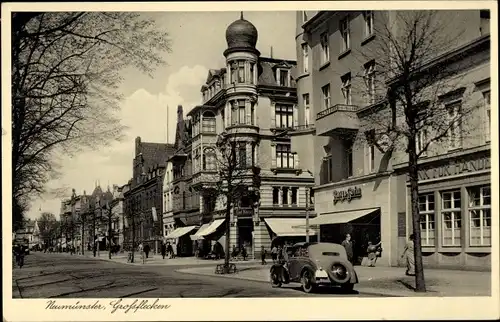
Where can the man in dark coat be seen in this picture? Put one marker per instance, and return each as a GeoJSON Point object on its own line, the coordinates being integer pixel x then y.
{"type": "Point", "coordinates": [146, 250]}
{"type": "Point", "coordinates": [163, 250]}
{"type": "Point", "coordinates": [348, 245]}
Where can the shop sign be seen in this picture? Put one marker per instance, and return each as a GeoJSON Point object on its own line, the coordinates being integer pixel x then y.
{"type": "Point", "coordinates": [346, 195]}
{"type": "Point", "coordinates": [455, 167]}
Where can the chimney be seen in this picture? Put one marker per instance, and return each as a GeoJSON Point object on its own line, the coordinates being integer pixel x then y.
{"type": "Point", "coordinates": [137, 145]}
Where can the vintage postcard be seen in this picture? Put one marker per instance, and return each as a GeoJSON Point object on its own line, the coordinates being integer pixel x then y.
{"type": "Point", "coordinates": [250, 161]}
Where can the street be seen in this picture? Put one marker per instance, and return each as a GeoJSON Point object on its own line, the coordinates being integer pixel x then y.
{"type": "Point", "coordinates": [73, 276]}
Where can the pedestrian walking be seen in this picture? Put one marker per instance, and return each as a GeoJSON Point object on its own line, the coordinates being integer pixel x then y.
{"type": "Point", "coordinates": [146, 250]}
{"type": "Point", "coordinates": [19, 254]}
{"type": "Point", "coordinates": [274, 254]}
{"type": "Point", "coordinates": [348, 245]}
{"type": "Point", "coordinates": [263, 253]}
{"type": "Point", "coordinates": [163, 250]}
{"type": "Point", "coordinates": [170, 250]}
{"type": "Point", "coordinates": [244, 253]}
{"type": "Point", "coordinates": [373, 252]}
{"type": "Point", "coordinates": [409, 256]}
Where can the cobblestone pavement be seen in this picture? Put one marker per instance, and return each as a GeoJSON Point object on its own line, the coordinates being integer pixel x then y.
{"type": "Point", "coordinates": [76, 276]}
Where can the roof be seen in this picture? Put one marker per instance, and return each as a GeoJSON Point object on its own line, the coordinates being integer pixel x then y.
{"type": "Point", "coordinates": [267, 74]}
{"type": "Point", "coordinates": [155, 154]}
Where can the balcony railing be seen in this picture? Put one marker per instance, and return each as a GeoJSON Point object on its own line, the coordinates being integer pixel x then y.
{"type": "Point", "coordinates": [337, 108]}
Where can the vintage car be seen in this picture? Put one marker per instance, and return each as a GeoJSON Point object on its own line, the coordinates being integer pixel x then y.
{"type": "Point", "coordinates": [313, 265]}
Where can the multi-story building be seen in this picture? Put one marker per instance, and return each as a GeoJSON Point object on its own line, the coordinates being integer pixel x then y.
{"type": "Point", "coordinates": [362, 189]}
{"type": "Point", "coordinates": [253, 101]}
{"type": "Point", "coordinates": [168, 215]}
{"type": "Point", "coordinates": [143, 202]}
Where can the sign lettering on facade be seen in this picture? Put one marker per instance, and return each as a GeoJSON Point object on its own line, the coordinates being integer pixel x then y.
{"type": "Point", "coordinates": [454, 168]}
{"type": "Point", "coordinates": [346, 195]}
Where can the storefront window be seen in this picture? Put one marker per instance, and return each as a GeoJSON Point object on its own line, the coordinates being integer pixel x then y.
{"type": "Point", "coordinates": [427, 221]}
{"type": "Point", "coordinates": [451, 214]}
{"type": "Point", "coordinates": [480, 215]}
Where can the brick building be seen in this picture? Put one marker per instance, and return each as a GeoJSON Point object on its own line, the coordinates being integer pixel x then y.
{"type": "Point", "coordinates": [143, 202]}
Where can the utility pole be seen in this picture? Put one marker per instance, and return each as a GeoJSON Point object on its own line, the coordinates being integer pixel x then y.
{"type": "Point", "coordinates": [307, 214]}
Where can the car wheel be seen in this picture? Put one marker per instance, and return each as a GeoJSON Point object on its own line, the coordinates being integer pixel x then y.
{"type": "Point", "coordinates": [347, 287]}
{"type": "Point", "coordinates": [306, 280]}
{"type": "Point", "coordinates": [275, 280]}
{"type": "Point", "coordinates": [340, 273]}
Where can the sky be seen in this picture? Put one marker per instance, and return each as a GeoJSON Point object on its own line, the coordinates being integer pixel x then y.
{"type": "Point", "coordinates": [150, 105]}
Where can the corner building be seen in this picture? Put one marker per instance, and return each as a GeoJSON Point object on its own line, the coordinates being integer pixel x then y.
{"type": "Point", "coordinates": [253, 98]}
{"type": "Point", "coordinates": [360, 189]}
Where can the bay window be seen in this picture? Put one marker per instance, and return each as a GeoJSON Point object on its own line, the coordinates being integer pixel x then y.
{"type": "Point", "coordinates": [452, 216]}
{"type": "Point", "coordinates": [208, 123]}
{"type": "Point", "coordinates": [480, 215]}
{"type": "Point", "coordinates": [241, 71]}
{"type": "Point", "coordinates": [209, 159]}
{"type": "Point", "coordinates": [427, 218]}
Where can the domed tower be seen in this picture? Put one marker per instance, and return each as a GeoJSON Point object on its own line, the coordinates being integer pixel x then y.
{"type": "Point", "coordinates": [241, 77]}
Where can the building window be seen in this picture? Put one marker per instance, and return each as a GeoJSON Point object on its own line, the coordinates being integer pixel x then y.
{"type": "Point", "coordinates": [242, 155]}
{"type": "Point", "coordinates": [284, 116]}
{"type": "Point", "coordinates": [252, 65]}
{"type": "Point", "coordinates": [370, 138]}
{"type": "Point", "coordinates": [346, 88]}
{"type": "Point", "coordinates": [349, 156]}
{"type": "Point", "coordinates": [345, 33]}
{"type": "Point", "coordinates": [484, 26]}
{"type": "Point", "coordinates": [305, 58]}
{"type": "Point", "coordinates": [327, 169]}
{"type": "Point", "coordinates": [368, 17]}
{"type": "Point", "coordinates": [209, 159]}
{"type": "Point", "coordinates": [487, 107]}
{"type": "Point", "coordinates": [284, 156]}
{"type": "Point", "coordinates": [254, 155]}
{"type": "Point", "coordinates": [285, 195]}
{"type": "Point", "coordinates": [454, 131]}
{"type": "Point", "coordinates": [421, 140]}
{"type": "Point", "coordinates": [325, 49]}
{"type": "Point", "coordinates": [276, 195]}
{"type": "Point", "coordinates": [234, 72]}
{"type": "Point", "coordinates": [427, 219]}
{"type": "Point", "coordinates": [451, 214]}
{"type": "Point", "coordinates": [326, 96]}
{"type": "Point", "coordinates": [241, 72]}
{"type": "Point", "coordinates": [480, 215]}
{"type": "Point", "coordinates": [294, 196]}
{"type": "Point", "coordinates": [369, 77]}
{"type": "Point", "coordinates": [283, 77]}
{"type": "Point", "coordinates": [208, 123]}
{"type": "Point", "coordinates": [241, 112]}
{"type": "Point", "coordinates": [307, 112]}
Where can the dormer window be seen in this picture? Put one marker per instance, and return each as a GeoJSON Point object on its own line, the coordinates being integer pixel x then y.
{"type": "Point", "coordinates": [284, 78]}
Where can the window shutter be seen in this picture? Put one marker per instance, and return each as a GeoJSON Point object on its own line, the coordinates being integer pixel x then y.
{"type": "Point", "coordinates": [273, 156]}
{"type": "Point", "coordinates": [273, 115]}
{"type": "Point", "coordinates": [295, 115]}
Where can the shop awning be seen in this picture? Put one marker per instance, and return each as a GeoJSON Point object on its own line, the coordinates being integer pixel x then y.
{"type": "Point", "coordinates": [211, 228]}
{"type": "Point", "coordinates": [288, 227]}
{"type": "Point", "coordinates": [340, 217]}
{"type": "Point", "coordinates": [179, 232]}
{"type": "Point", "coordinates": [198, 235]}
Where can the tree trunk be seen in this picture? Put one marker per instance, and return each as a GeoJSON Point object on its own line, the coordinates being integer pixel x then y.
{"type": "Point", "coordinates": [109, 233]}
{"type": "Point", "coordinates": [417, 242]}
{"type": "Point", "coordinates": [227, 255]}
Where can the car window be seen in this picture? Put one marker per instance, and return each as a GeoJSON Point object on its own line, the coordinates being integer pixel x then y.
{"type": "Point", "coordinates": [331, 254]}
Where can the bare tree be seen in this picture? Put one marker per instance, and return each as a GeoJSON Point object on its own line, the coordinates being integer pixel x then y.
{"type": "Point", "coordinates": [47, 223]}
{"type": "Point", "coordinates": [66, 70]}
{"type": "Point", "coordinates": [237, 177]}
{"type": "Point", "coordinates": [405, 82]}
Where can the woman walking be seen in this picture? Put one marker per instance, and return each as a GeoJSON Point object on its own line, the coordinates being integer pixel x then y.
{"type": "Point", "coordinates": [409, 256]}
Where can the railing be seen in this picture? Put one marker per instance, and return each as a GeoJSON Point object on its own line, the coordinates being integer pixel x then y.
{"type": "Point", "coordinates": [302, 127]}
{"type": "Point", "coordinates": [336, 108]}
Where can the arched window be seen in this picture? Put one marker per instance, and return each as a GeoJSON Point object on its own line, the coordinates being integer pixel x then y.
{"type": "Point", "coordinates": [208, 122]}
{"type": "Point", "coordinates": [209, 159]}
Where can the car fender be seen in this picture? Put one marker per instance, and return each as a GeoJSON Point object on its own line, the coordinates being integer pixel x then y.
{"type": "Point", "coordinates": [282, 272]}
{"type": "Point", "coordinates": [310, 268]}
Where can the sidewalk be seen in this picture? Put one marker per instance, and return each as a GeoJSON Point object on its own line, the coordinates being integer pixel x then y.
{"type": "Point", "coordinates": [388, 281]}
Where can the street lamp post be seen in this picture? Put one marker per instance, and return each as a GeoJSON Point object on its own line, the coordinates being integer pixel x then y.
{"type": "Point", "coordinates": [307, 214]}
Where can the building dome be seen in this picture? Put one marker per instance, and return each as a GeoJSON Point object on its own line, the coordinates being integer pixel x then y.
{"type": "Point", "coordinates": [241, 34]}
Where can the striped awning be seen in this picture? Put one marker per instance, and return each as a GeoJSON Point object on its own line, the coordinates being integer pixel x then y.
{"type": "Point", "coordinates": [199, 234]}
{"type": "Point", "coordinates": [179, 232]}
